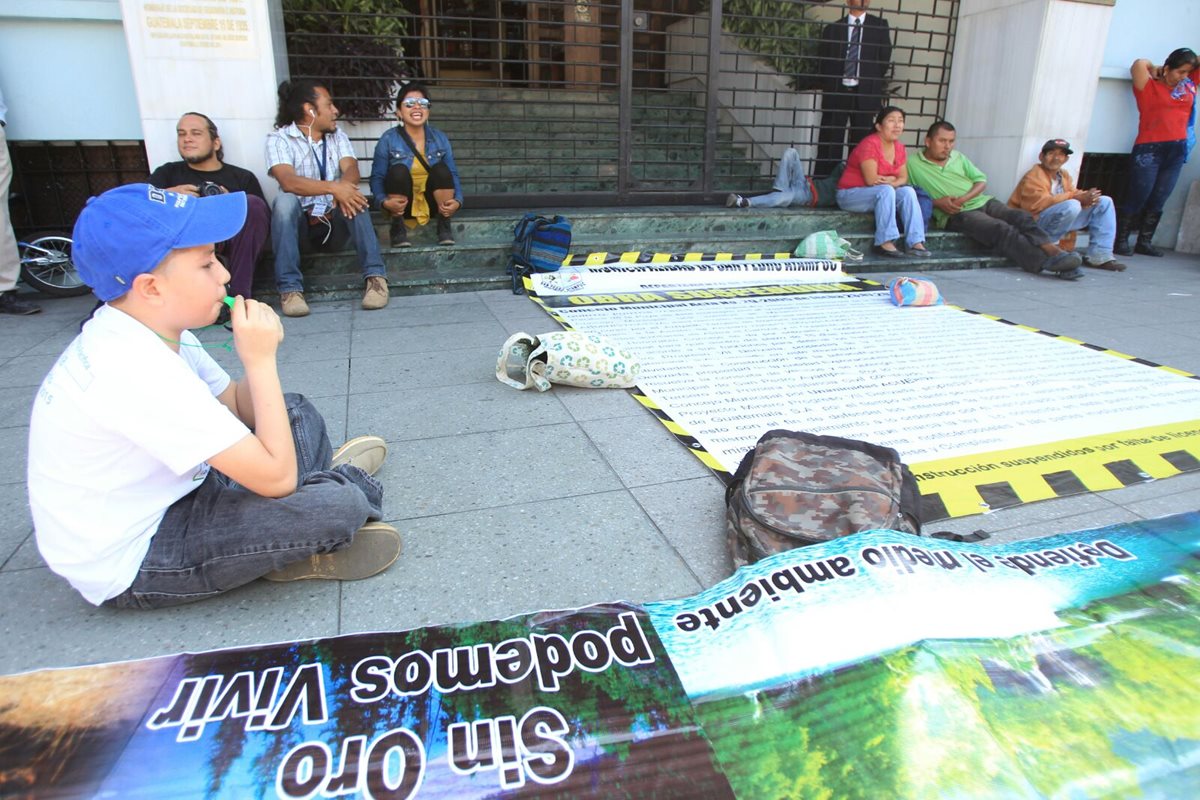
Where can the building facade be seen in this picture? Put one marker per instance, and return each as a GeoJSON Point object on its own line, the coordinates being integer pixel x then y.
{"type": "Point", "coordinates": [641, 100]}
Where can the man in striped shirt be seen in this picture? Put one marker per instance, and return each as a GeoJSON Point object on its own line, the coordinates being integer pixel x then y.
{"type": "Point", "coordinates": [319, 203]}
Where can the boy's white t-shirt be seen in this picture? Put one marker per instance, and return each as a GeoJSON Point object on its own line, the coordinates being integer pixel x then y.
{"type": "Point", "coordinates": [121, 429]}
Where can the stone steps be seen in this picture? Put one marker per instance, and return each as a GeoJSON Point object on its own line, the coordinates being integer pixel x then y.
{"type": "Point", "coordinates": [546, 141]}
{"type": "Point", "coordinates": [595, 141]}
{"type": "Point", "coordinates": [484, 238]}
{"type": "Point", "coordinates": [451, 115]}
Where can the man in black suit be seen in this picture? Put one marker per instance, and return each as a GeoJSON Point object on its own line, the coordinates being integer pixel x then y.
{"type": "Point", "coordinates": [854, 56]}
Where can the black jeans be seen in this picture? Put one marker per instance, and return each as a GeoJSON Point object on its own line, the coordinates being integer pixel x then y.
{"type": "Point", "coordinates": [1010, 230]}
{"type": "Point", "coordinates": [399, 181]}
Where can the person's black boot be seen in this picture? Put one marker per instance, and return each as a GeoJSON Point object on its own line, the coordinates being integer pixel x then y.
{"type": "Point", "coordinates": [1125, 225]}
{"type": "Point", "coordinates": [398, 233]}
{"type": "Point", "coordinates": [1145, 240]}
{"type": "Point", "coordinates": [445, 233]}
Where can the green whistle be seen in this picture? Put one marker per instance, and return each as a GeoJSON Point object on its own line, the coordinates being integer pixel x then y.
{"type": "Point", "coordinates": [229, 301]}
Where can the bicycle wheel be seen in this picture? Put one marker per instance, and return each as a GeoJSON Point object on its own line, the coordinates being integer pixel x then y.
{"type": "Point", "coordinates": [46, 265]}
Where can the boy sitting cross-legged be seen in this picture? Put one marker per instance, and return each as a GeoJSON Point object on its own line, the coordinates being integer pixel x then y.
{"type": "Point", "coordinates": [154, 478]}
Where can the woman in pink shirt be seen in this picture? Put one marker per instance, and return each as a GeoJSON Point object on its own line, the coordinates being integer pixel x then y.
{"type": "Point", "coordinates": [876, 179]}
{"type": "Point", "coordinates": [1166, 100]}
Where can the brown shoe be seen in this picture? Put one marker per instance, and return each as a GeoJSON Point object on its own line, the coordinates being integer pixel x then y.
{"type": "Point", "coordinates": [373, 549]}
{"type": "Point", "coordinates": [365, 452]}
{"type": "Point", "coordinates": [1112, 265]}
{"type": "Point", "coordinates": [376, 294]}
{"type": "Point", "coordinates": [293, 304]}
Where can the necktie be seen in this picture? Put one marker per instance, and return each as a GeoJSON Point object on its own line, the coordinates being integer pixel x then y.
{"type": "Point", "coordinates": [850, 70]}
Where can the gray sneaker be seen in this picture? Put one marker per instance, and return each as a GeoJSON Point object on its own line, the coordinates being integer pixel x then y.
{"type": "Point", "coordinates": [736, 201]}
{"type": "Point", "coordinates": [374, 548]}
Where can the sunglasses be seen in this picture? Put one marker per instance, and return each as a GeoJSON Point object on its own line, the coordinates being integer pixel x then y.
{"type": "Point", "coordinates": [416, 102]}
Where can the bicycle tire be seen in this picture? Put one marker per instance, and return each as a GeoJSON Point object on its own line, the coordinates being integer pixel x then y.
{"type": "Point", "coordinates": [51, 273]}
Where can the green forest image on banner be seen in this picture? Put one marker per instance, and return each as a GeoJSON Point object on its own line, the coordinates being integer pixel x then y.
{"type": "Point", "coordinates": [863, 678]}
{"type": "Point", "coordinates": [567, 704]}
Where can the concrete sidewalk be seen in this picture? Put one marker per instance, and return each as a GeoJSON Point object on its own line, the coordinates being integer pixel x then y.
{"type": "Point", "coordinates": [512, 502]}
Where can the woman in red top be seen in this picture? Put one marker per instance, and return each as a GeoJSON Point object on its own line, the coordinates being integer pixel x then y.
{"type": "Point", "coordinates": [876, 179]}
{"type": "Point", "coordinates": [1165, 98]}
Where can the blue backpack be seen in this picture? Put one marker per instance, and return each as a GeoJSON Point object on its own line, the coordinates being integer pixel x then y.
{"type": "Point", "coordinates": [540, 244]}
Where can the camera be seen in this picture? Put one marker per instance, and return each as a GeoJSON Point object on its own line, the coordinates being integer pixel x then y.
{"type": "Point", "coordinates": [208, 189]}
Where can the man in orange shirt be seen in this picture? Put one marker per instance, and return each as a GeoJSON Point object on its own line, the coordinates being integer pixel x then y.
{"type": "Point", "coordinates": [1048, 193]}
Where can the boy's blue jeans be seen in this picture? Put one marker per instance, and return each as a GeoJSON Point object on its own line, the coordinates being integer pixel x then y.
{"type": "Point", "coordinates": [289, 224]}
{"type": "Point", "coordinates": [222, 535]}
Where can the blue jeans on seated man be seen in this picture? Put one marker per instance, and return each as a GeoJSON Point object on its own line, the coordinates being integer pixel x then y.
{"type": "Point", "coordinates": [1099, 219]}
{"type": "Point", "coordinates": [887, 202]}
{"type": "Point", "coordinates": [222, 536]}
{"type": "Point", "coordinates": [926, 204]}
{"type": "Point", "coordinates": [291, 233]}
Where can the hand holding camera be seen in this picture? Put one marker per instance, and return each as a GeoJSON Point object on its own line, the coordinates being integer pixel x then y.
{"type": "Point", "coordinates": [204, 189]}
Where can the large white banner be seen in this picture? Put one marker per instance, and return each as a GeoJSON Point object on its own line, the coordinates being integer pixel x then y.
{"type": "Point", "coordinates": [960, 395]}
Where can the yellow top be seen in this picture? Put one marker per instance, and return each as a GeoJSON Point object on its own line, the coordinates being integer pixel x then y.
{"type": "Point", "coordinates": [420, 206]}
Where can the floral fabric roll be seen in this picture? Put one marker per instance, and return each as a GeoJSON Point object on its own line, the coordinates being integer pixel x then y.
{"type": "Point", "coordinates": [568, 357]}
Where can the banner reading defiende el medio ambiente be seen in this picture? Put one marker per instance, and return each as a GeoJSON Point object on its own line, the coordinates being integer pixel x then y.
{"type": "Point", "coordinates": [879, 665]}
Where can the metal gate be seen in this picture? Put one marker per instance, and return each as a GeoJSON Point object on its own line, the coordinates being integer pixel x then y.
{"type": "Point", "coordinates": [609, 101]}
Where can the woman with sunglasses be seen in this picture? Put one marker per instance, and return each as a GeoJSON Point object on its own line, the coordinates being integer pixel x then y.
{"type": "Point", "coordinates": [413, 176]}
{"type": "Point", "coordinates": [1166, 102]}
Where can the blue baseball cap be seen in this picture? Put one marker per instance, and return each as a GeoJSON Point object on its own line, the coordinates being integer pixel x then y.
{"type": "Point", "coordinates": [128, 231]}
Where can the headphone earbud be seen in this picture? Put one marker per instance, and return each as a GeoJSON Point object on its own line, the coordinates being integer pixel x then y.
{"type": "Point", "coordinates": [312, 113]}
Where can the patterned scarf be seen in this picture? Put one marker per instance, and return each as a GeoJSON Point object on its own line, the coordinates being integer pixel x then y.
{"type": "Point", "coordinates": [1186, 89]}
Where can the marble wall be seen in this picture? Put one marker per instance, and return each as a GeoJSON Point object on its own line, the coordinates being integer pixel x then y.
{"type": "Point", "coordinates": [1024, 71]}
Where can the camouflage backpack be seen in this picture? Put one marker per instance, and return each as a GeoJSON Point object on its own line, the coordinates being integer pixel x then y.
{"type": "Point", "coordinates": [795, 489]}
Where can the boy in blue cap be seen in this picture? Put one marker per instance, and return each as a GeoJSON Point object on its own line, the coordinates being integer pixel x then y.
{"type": "Point", "coordinates": [154, 478]}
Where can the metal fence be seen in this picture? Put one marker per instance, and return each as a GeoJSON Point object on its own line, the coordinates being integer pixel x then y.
{"type": "Point", "coordinates": [1108, 172]}
{"type": "Point", "coordinates": [53, 180]}
{"type": "Point", "coordinates": [610, 101]}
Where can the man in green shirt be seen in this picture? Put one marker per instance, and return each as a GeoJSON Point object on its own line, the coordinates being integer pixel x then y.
{"type": "Point", "coordinates": [956, 186]}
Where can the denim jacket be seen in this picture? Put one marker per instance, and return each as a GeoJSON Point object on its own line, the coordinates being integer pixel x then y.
{"type": "Point", "coordinates": [391, 149]}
